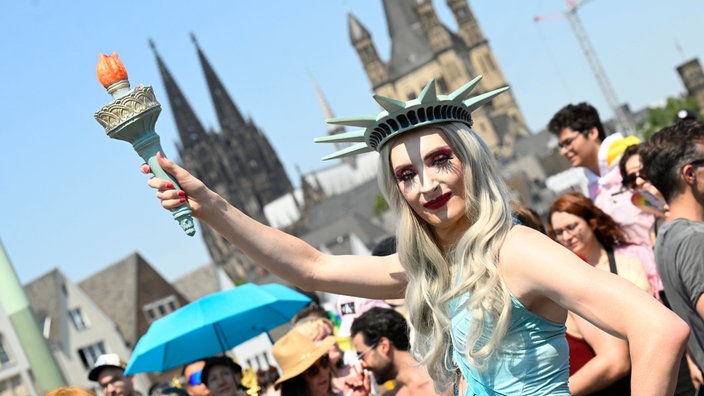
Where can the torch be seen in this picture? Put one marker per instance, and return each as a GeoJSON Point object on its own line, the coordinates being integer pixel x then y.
{"type": "Point", "coordinates": [131, 117]}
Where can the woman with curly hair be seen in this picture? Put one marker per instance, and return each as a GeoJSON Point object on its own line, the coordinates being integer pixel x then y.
{"type": "Point", "coordinates": [486, 297]}
{"type": "Point", "coordinates": [579, 225]}
{"type": "Point", "coordinates": [599, 362]}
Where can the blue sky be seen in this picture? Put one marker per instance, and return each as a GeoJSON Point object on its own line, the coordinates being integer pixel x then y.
{"type": "Point", "coordinates": [74, 199]}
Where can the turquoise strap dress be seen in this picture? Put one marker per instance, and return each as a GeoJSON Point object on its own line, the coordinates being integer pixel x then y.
{"type": "Point", "coordinates": [533, 358]}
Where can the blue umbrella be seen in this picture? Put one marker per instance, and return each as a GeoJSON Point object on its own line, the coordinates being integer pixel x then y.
{"type": "Point", "coordinates": [214, 324]}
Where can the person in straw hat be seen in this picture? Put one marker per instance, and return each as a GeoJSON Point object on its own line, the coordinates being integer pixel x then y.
{"type": "Point", "coordinates": [307, 369]}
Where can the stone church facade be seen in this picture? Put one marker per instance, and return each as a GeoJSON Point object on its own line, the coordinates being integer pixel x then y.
{"type": "Point", "coordinates": [422, 47]}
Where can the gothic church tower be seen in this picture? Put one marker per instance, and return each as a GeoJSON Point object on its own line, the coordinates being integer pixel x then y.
{"type": "Point", "coordinates": [238, 162]}
{"type": "Point", "coordinates": [423, 48]}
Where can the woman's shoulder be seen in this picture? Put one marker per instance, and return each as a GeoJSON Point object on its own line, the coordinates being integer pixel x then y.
{"type": "Point", "coordinates": [521, 239]}
{"type": "Point", "coordinates": [529, 260]}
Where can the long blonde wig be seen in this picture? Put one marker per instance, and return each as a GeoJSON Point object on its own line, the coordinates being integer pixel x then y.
{"type": "Point", "coordinates": [437, 277]}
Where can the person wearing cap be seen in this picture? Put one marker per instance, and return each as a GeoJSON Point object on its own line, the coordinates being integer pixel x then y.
{"type": "Point", "coordinates": [582, 140]}
{"type": "Point", "coordinates": [307, 369]}
{"type": "Point", "coordinates": [192, 381]}
{"type": "Point", "coordinates": [486, 296]}
{"type": "Point", "coordinates": [109, 372]}
{"type": "Point", "coordinates": [381, 338]}
{"type": "Point", "coordinates": [223, 377]}
{"type": "Point", "coordinates": [685, 115]}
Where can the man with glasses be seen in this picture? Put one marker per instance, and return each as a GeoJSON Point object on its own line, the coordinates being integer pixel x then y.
{"type": "Point", "coordinates": [674, 163]}
{"type": "Point", "coordinates": [109, 372]}
{"type": "Point", "coordinates": [582, 140]}
{"type": "Point", "coordinates": [381, 338]}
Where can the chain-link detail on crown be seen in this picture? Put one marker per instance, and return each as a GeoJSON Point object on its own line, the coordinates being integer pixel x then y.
{"type": "Point", "coordinates": [399, 116]}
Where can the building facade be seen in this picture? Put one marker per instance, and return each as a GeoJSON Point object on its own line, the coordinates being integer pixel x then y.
{"type": "Point", "coordinates": [77, 330]}
{"type": "Point", "coordinates": [15, 378]}
{"type": "Point", "coordinates": [692, 77]}
{"type": "Point", "coordinates": [422, 47]}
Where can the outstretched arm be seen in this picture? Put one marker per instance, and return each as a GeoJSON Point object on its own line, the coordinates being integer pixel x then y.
{"type": "Point", "coordinates": [288, 257]}
{"type": "Point", "coordinates": [549, 279]}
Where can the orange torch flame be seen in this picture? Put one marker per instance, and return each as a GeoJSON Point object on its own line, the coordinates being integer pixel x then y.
{"type": "Point", "coordinates": [110, 70]}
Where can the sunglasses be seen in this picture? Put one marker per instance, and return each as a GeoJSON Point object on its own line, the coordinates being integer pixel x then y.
{"type": "Point", "coordinates": [314, 369]}
{"type": "Point", "coordinates": [630, 180]}
{"type": "Point", "coordinates": [360, 355]}
{"type": "Point", "coordinates": [194, 379]}
{"type": "Point", "coordinates": [697, 163]}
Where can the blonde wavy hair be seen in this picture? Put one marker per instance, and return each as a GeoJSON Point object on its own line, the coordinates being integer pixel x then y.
{"type": "Point", "coordinates": [470, 267]}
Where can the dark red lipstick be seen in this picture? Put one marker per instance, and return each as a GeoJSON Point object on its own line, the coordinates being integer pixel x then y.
{"type": "Point", "coordinates": [438, 202]}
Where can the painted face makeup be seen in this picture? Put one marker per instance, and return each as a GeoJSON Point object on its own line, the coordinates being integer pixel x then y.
{"type": "Point", "coordinates": [430, 178]}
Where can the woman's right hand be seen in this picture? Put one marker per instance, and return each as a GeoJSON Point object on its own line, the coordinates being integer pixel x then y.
{"type": "Point", "coordinates": [192, 190]}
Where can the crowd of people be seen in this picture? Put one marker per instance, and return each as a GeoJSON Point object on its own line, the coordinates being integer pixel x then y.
{"type": "Point", "coordinates": [310, 362]}
{"type": "Point", "coordinates": [599, 297]}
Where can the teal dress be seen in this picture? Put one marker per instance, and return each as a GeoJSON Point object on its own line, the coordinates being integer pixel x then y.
{"type": "Point", "coordinates": [533, 358]}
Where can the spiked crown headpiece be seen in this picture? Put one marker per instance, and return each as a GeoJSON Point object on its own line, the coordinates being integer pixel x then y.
{"type": "Point", "coordinates": [399, 116]}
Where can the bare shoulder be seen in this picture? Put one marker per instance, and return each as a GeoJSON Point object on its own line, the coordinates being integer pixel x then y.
{"type": "Point", "coordinates": [526, 249]}
{"type": "Point", "coordinates": [541, 273]}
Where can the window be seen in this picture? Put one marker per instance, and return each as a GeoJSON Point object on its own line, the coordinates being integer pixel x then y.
{"type": "Point", "coordinates": [367, 54]}
{"type": "Point", "coordinates": [461, 12]}
{"type": "Point", "coordinates": [160, 308]}
{"type": "Point", "coordinates": [77, 319]}
{"type": "Point", "coordinates": [46, 326]}
{"type": "Point", "coordinates": [13, 386]}
{"type": "Point", "coordinates": [89, 354]}
{"type": "Point", "coordinates": [5, 357]}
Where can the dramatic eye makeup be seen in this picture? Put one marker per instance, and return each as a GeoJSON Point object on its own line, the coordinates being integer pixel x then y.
{"type": "Point", "coordinates": [405, 173]}
{"type": "Point", "coordinates": [441, 157]}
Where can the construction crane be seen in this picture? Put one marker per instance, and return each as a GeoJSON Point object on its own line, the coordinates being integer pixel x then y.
{"type": "Point", "coordinates": [623, 119]}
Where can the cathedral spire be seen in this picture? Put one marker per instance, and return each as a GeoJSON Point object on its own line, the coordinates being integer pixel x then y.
{"type": "Point", "coordinates": [376, 70]}
{"type": "Point", "coordinates": [325, 106]}
{"type": "Point", "coordinates": [332, 128]}
{"type": "Point", "coordinates": [189, 128]}
{"type": "Point", "coordinates": [357, 31]}
{"type": "Point", "coordinates": [467, 23]}
{"type": "Point", "coordinates": [229, 116]}
{"type": "Point", "coordinates": [409, 43]}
